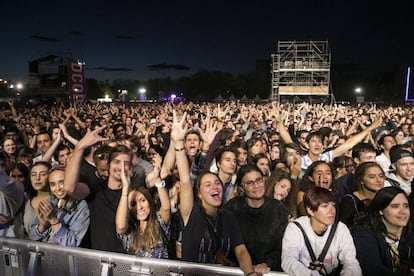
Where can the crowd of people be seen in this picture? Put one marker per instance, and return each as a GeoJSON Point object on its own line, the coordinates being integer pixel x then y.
{"type": "Point", "coordinates": [308, 189]}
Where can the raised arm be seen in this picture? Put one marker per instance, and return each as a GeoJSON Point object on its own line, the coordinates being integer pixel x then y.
{"type": "Point", "coordinates": [284, 133]}
{"type": "Point", "coordinates": [13, 110]}
{"type": "Point", "coordinates": [186, 192]}
{"type": "Point", "coordinates": [76, 118]}
{"type": "Point", "coordinates": [49, 153]}
{"type": "Point", "coordinates": [209, 133]}
{"type": "Point", "coordinates": [352, 141]}
{"type": "Point", "coordinates": [66, 134]}
{"type": "Point", "coordinates": [169, 161]}
{"type": "Point", "coordinates": [165, 209]}
{"type": "Point", "coordinates": [72, 185]}
{"type": "Point", "coordinates": [121, 218]}
{"type": "Point", "coordinates": [32, 143]}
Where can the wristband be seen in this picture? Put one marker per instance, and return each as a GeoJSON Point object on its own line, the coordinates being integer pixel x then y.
{"type": "Point", "coordinates": [179, 149]}
{"type": "Point", "coordinates": [55, 223]}
{"type": "Point", "coordinates": [160, 185]}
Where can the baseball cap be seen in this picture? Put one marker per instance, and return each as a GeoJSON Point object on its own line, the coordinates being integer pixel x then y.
{"type": "Point", "coordinates": [396, 153]}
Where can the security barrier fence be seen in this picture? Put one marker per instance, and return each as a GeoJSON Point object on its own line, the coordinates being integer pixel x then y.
{"type": "Point", "coordinates": [24, 257]}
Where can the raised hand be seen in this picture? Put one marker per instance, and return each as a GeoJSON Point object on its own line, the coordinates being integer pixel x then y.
{"type": "Point", "coordinates": [45, 212]}
{"type": "Point", "coordinates": [275, 112]}
{"type": "Point", "coordinates": [376, 123]}
{"type": "Point", "coordinates": [125, 177]}
{"type": "Point", "coordinates": [157, 161]}
{"type": "Point", "coordinates": [210, 131]}
{"type": "Point", "coordinates": [92, 137]}
{"type": "Point", "coordinates": [179, 128]}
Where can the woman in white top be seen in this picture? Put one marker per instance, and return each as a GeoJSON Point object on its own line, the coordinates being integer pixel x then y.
{"type": "Point", "coordinates": [296, 258]}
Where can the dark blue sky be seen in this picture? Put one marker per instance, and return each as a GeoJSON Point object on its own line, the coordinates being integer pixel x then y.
{"type": "Point", "coordinates": [214, 35]}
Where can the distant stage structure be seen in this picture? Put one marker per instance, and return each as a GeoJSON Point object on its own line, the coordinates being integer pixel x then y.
{"type": "Point", "coordinates": [301, 70]}
{"type": "Point", "coordinates": [57, 77]}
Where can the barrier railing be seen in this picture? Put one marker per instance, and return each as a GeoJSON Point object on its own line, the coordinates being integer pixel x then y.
{"type": "Point", "coordinates": [23, 257]}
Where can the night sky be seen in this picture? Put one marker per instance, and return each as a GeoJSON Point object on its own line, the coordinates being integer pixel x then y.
{"type": "Point", "coordinates": [215, 35]}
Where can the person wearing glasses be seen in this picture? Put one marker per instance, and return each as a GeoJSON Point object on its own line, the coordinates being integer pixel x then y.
{"type": "Point", "coordinates": [262, 220]}
{"type": "Point", "coordinates": [8, 148]}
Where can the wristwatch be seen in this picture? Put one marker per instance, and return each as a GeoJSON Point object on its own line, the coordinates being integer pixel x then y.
{"type": "Point", "coordinates": [160, 185]}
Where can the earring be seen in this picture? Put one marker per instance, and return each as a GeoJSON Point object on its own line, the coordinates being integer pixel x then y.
{"type": "Point", "coordinates": [381, 213]}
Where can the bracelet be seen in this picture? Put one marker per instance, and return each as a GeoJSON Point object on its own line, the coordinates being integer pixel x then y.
{"type": "Point", "coordinates": [180, 149]}
{"type": "Point", "coordinates": [55, 223]}
{"type": "Point", "coordinates": [160, 185]}
{"type": "Point", "coordinates": [125, 195]}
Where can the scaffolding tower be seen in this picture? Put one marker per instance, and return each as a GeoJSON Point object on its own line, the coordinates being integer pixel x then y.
{"type": "Point", "coordinates": [301, 68]}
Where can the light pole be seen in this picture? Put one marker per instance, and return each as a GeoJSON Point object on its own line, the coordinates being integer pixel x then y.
{"type": "Point", "coordinates": [142, 93]}
{"type": "Point", "coordinates": [358, 92]}
{"type": "Point", "coordinates": [19, 87]}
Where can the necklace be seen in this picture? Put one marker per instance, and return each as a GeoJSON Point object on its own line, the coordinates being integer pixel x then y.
{"type": "Point", "coordinates": [213, 226]}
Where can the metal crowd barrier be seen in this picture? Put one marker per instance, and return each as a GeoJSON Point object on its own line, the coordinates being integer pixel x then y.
{"type": "Point", "coordinates": [24, 257]}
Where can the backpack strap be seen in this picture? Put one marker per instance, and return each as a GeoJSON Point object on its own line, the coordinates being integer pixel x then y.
{"type": "Point", "coordinates": [308, 245]}
{"type": "Point", "coordinates": [326, 246]}
{"type": "Point", "coordinates": [328, 242]}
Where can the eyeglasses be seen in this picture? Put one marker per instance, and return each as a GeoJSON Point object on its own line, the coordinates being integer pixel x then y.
{"type": "Point", "coordinates": [258, 180]}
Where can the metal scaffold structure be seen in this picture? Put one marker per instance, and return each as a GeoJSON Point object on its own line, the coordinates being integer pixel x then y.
{"type": "Point", "coordinates": [301, 69]}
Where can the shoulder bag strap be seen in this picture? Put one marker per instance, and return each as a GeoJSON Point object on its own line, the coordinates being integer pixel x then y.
{"type": "Point", "coordinates": [353, 200]}
{"type": "Point", "coordinates": [308, 245]}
